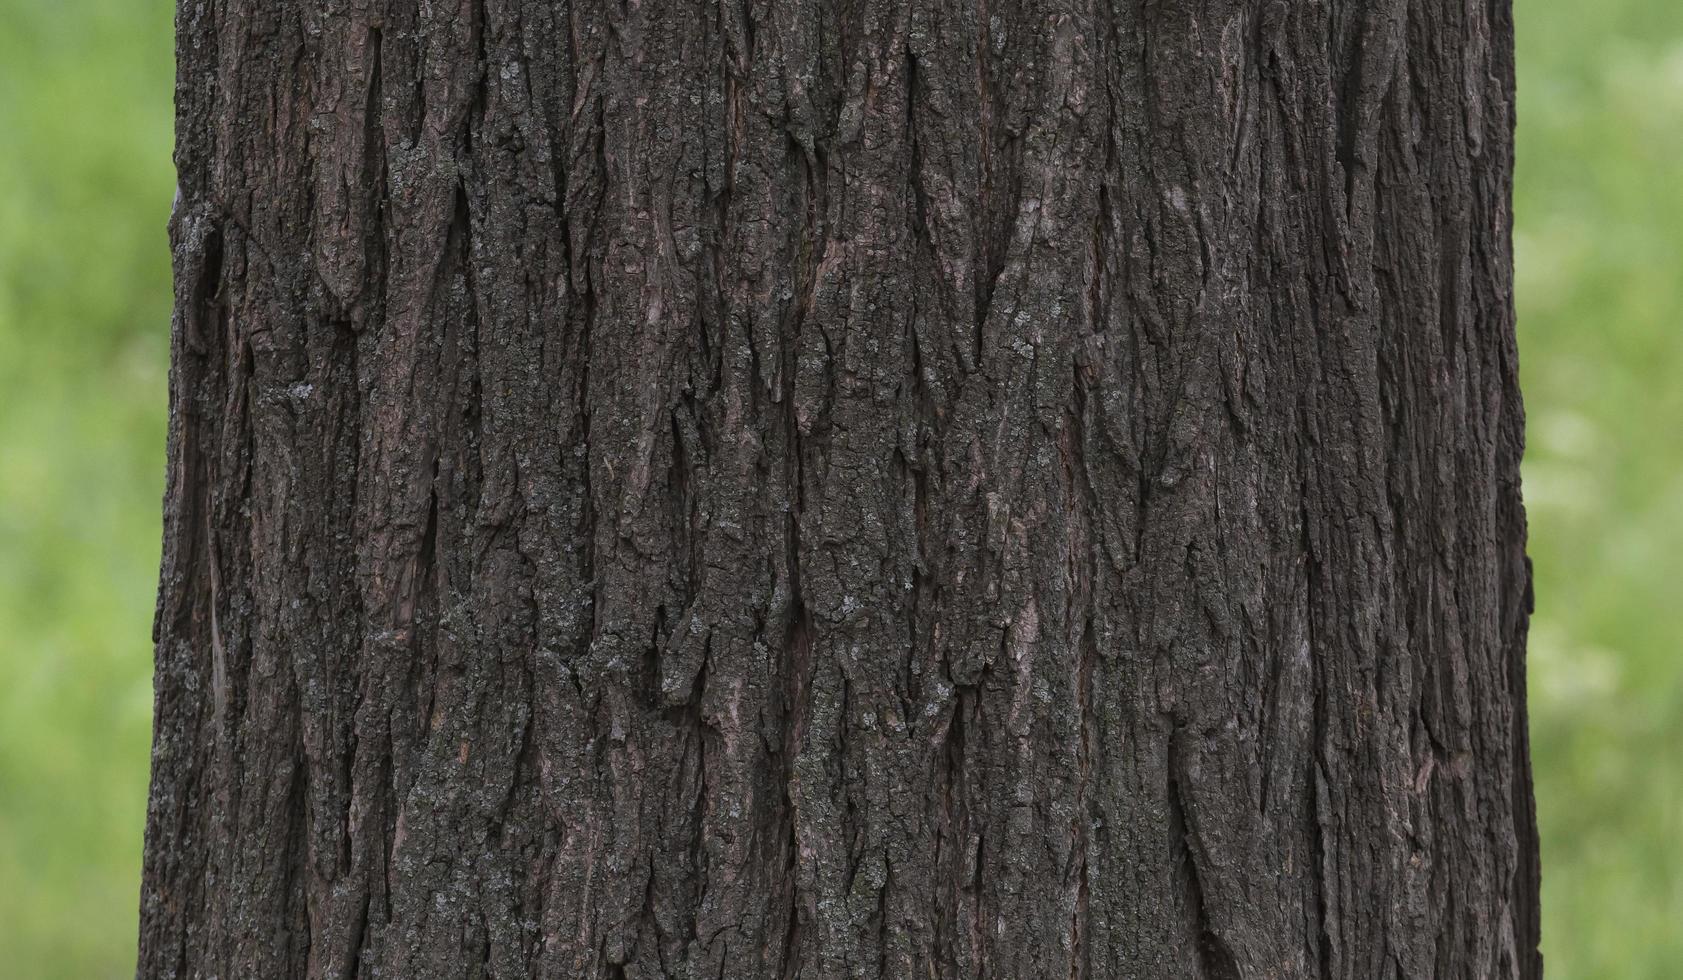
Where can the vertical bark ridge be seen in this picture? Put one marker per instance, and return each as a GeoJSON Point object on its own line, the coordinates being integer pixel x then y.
{"type": "Point", "coordinates": [737, 489]}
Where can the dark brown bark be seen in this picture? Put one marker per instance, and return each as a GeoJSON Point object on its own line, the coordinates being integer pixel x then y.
{"type": "Point", "coordinates": [868, 489]}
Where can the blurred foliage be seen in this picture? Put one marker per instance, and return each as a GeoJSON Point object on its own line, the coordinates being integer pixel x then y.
{"type": "Point", "coordinates": [85, 189]}
{"type": "Point", "coordinates": [1599, 255]}
{"type": "Point", "coordinates": [85, 124]}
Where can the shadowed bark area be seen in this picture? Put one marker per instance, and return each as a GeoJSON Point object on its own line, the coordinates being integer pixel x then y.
{"type": "Point", "coordinates": [949, 489]}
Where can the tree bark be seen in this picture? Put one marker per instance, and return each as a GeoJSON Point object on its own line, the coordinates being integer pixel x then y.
{"type": "Point", "coordinates": [960, 488]}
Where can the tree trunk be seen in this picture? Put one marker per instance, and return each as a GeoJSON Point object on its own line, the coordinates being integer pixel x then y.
{"type": "Point", "coordinates": [953, 488]}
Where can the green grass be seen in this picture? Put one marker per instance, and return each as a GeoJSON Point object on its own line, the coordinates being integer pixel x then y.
{"type": "Point", "coordinates": [84, 309]}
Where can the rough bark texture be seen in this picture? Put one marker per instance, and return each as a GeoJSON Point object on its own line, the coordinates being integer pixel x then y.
{"type": "Point", "coordinates": [747, 489]}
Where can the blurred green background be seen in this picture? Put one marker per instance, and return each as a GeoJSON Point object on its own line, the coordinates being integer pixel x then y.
{"type": "Point", "coordinates": [85, 188]}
